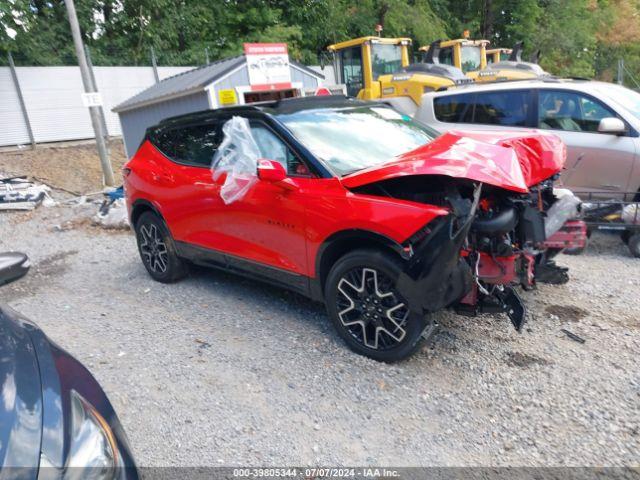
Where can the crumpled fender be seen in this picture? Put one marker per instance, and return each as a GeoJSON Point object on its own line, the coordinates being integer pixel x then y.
{"type": "Point", "coordinates": [510, 160]}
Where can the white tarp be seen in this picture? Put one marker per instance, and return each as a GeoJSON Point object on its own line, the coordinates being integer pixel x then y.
{"type": "Point", "coordinates": [237, 157]}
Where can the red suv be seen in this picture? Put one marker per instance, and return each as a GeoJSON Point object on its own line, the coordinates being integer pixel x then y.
{"type": "Point", "coordinates": [354, 205]}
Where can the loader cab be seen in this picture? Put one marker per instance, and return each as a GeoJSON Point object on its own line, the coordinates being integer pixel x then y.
{"type": "Point", "coordinates": [495, 55]}
{"type": "Point", "coordinates": [510, 68]}
{"type": "Point", "coordinates": [360, 62]}
{"type": "Point", "coordinates": [467, 55]}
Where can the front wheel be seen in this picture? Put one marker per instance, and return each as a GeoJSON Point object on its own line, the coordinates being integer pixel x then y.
{"type": "Point", "coordinates": [367, 309]}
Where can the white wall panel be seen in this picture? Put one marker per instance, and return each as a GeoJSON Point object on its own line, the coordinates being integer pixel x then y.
{"type": "Point", "coordinates": [54, 102]}
{"type": "Point", "coordinates": [13, 129]}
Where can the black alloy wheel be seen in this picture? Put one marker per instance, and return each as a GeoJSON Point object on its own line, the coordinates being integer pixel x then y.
{"type": "Point", "coordinates": [367, 309]}
{"type": "Point", "coordinates": [157, 249]}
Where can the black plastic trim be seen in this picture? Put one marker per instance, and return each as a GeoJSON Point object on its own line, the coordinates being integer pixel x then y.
{"type": "Point", "coordinates": [259, 271]}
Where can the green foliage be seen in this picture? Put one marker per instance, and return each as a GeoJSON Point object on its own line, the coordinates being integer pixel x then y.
{"type": "Point", "coordinates": [576, 37]}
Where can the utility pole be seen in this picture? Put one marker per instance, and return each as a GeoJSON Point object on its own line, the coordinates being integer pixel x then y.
{"type": "Point", "coordinates": [206, 55]}
{"type": "Point", "coordinates": [620, 78]}
{"type": "Point", "coordinates": [154, 64]}
{"type": "Point", "coordinates": [94, 86]}
{"type": "Point", "coordinates": [23, 106]}
{"type": "Point", "coordinates": [88, 88]}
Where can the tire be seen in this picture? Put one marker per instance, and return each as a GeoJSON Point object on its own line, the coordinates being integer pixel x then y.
{"type": "Point", "coordinates": [634, 245]}
{"type": "Point", "coordinates": [373, 321]}
{"type": "Point", "coordinates": [625, 236]}
{"type": "Point", "coordinates": [157, 249]}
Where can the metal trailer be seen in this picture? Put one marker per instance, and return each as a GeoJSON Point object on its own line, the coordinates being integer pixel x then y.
{"type": "Point", "coordinates": [620, 214]}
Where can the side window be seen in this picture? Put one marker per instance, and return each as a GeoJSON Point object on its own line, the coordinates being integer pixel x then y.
{"type": "Point", "coordinates": [272, 148]}
{"type": "Point", "coordinates": [507, 108]}
{"type": "Point", "coordinates": [454, 108]}
{"type": "Point", "coordinates": [446, 55]}
{"type": "Point", "coordinates": [351, 60]}
{"type": "Point", "coordinates": [570, 111]}
{"type": "Point", "coordinates": [196, 145]}
{"type": "Point", "coordinates": [592, 112]}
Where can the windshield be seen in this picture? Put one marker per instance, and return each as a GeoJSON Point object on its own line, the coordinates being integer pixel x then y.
{"type": "Point", "coordinates": [624, 97]}
{"type": "Point", "coordinates": [352, 139]}
{"type": "Point", "coordinates": [385, 59]}
{"type": "Point", "coordinates": [470, 58]}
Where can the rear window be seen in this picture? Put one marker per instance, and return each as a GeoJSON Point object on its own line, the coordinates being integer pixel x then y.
{"type": "Point", "coordinates": [454, 108]}
{"type": "Point", "coordinates": [192, 145]}
{"type": "Point", "coordinates": [508, 108]}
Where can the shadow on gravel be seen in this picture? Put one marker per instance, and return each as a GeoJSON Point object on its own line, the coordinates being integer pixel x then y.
{"type": "Point", "coordinates": [523, 360]}
{"type": "Point", "coordinates": [567, 313]}
{"type": "Point", "coordinates": [40, 275]}
{"type": "Point", "coordinates": [258, 293]}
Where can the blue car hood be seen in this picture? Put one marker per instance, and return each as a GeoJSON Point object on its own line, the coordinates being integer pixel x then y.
{"type": "Point", "coordinates": [20, 398]}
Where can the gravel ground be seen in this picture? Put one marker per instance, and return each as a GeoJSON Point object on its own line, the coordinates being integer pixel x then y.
{"type": "Point", "coordinates": [218, 370]}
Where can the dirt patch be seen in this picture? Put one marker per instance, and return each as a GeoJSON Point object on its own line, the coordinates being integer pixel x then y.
{"type": "Point", "coordinates": [72, 168]}
{"type": "Point", "coordinates": [39, 275]}
{"type": "Point", "coordinates": [524, 360]}
{"type": "Point", "coordinates": [567, 313]}
{"type": "Point", "coordinates": [87, 224]}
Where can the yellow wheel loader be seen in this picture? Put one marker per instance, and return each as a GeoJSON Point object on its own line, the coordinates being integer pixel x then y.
{"type": "Point", "coordinates": [471, 56]}
{"type": "Point", "coordinates": [467, 55]}
{"type": "Point", "coordinates": [380, 68]}
{"type": "Point", "coordinates": [513, 68]}
{"type": "Point", "coordinates": [495, 55]}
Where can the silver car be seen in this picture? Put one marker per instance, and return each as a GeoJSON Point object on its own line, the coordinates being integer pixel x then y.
{"type": "Point", "coordinates": [599, 122]}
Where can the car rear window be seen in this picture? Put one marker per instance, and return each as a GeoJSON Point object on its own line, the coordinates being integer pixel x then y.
{"type": "Point", "coordinates": [191, 145]}
{"type": "Point", "coordinates": [507, 108]}
{"type": "Point", "coordinates": [454, 108]}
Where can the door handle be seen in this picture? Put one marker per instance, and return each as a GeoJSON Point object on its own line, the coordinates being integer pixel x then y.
{"type": "Point", "coordinates": [610, 186]}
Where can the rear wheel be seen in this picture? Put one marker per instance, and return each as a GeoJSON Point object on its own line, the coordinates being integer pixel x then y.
{"type": "Point", "coordinates": [157, 249]}
{"type": "Point", "coordinates": [367, 309]}
{"type": "Point", "coordinates": [634, 245]}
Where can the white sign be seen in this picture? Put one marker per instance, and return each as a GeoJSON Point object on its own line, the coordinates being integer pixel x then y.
{"type": "Point", "coordinates": [92, 99]}
{"type": "Point", "coordinates": [268, 65]}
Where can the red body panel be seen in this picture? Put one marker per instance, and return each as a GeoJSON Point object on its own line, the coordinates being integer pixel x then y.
{"type": "Point", "coordinates": [275, 225]}
{"type": "Point", "coordinates": [284, 226]}
{"type": "Point", "coordinates": [513, 161]}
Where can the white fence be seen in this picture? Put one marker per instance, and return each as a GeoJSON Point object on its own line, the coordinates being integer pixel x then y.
{"type": "Point", "coordinates": [53, 101]}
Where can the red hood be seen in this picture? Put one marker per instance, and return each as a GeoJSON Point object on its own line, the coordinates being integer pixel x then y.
{"type": "Point", "coordinates": [509, 160]}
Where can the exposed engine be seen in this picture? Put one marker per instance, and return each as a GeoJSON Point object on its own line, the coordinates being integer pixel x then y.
{"type": "Point", "coordinates": [502, 243]}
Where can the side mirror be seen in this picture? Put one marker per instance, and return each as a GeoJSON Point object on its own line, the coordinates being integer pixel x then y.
{"type": "Point", "coordinates": [612, 125]}
{"type": "Point", "coordinates": [13, 265]}
{"type": "Point", "coordinates": [271, 171]}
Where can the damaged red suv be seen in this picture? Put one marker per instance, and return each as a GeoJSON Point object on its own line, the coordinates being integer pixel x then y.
{"type": "Point", "coordinates": [354, 205]}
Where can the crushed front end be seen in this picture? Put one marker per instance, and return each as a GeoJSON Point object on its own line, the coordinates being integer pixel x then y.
{"type": "Point", "coordinates": [501, 227]}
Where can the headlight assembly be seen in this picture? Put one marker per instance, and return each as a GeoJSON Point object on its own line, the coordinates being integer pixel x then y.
{"type": "Point", "coordinates": [94, 451]}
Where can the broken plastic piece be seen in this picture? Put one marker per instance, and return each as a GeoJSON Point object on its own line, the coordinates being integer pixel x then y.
{"type": "Point", "coordinates": [631, 214]}
{"type": "Point", "coordinates": [237, 157]}
{"type": "Point", "coordinates": [565, 208]}
{"type": "Point", "coordinates": [17, 193]}
{"type": "Point", "coordinates": [573, 336]}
